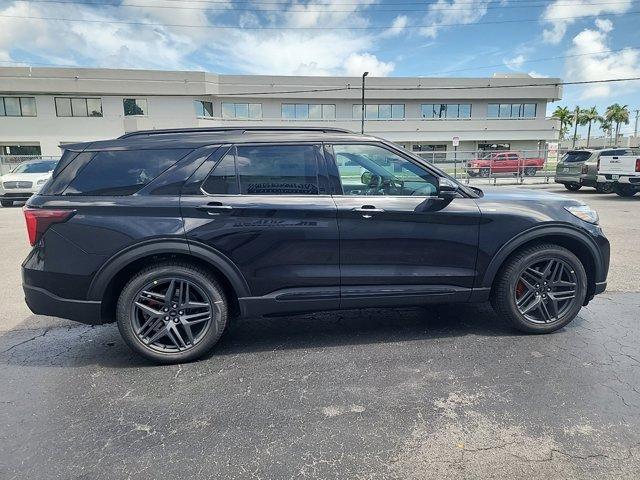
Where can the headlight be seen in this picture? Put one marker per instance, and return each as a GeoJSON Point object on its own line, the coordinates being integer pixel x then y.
{"type": "Point", "coordinates": [583, 212]}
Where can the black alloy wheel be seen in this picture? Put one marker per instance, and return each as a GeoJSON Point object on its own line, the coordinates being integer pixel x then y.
{"type": "Point", "coordinates": [540, 288]}
{"type": "Point", "coordinates": [172, 313]}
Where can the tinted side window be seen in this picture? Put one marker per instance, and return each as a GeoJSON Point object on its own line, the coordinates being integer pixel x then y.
{"type": "Point", "coordinates": [122, 172]}
{"type": "Point", "coordinates": [278, 170]}
{"type": "Point", "coordinates": [222, 180]}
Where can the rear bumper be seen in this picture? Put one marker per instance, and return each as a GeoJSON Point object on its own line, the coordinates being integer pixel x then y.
{"type": "Point", "coordinates": [43, 302]}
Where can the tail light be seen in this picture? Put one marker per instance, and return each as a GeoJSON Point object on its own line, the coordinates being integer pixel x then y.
{"type": "Point", "coordinates": [585, 169]}
{"type": "Point", "coordinates": [598, 164]}
{"type": "Point", "coordinates": [637, 164]}
{"type": "Point", "coordinates": [39, 219]}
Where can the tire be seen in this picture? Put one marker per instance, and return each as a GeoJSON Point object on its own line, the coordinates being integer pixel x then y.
{"type": "Point", "coordinates": [506, 288]}
{"type": "Point", "coordinates": [530, 171]}
{"type": "Point", "coordinates": [6, 203]}
{"type": "Point", "coordinates": [624, 190]}
{"type": "Point", "coordinates": [200, 288]}
{"type": "Point", "coordinates": [573, 187]}
{"type": "Point", "coordinates": [604, 187]}
{"type": "Point", "coordinates": [485, 172]}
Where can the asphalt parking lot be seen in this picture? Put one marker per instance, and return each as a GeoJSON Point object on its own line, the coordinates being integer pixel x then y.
{"type": "Point", "coordinates": [423, 393]}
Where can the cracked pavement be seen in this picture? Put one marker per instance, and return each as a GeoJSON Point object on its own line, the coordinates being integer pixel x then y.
{"type": "Point", "coordinates": [442, 392]}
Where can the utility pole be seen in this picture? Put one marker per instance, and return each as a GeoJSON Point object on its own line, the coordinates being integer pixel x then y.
{"type": "Point", "coordinates": [362, 120]}
{"type": "Point", "coordinates": [635, 128]}
{"type": "Point", "coordinates": [575, 127]}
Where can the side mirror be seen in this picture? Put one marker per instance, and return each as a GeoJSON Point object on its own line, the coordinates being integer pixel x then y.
{"type": "Point", "coordinates": [447, 189]}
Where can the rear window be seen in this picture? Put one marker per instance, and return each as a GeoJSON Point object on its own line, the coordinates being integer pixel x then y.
{"type": "Point", "coordinates": [571, 157]}
{"type": "Point", "coordinates": [122, 172]}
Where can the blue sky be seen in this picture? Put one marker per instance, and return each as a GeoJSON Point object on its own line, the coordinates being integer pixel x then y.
{"type": "Point", "coordinates": [597, 39]}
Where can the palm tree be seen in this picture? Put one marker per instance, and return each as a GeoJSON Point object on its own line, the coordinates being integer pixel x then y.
{"type": "Point", "coordinates": [617, 114]}
{"type": "Point", "coordinates": [607, 128]}
{"type": "Point", "coordinates": [566, 119]}
{"type": "Point", "coordinates": [587, 117]}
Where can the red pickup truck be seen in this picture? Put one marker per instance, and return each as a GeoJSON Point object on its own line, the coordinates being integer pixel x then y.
{"type": "Point", "coordinates": [504, 162]}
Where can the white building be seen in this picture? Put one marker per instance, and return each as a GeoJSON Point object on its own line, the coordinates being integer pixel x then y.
{"type": "Point", "coordinates": [41, 108]}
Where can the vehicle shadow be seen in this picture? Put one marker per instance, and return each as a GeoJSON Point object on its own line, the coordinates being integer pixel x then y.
{"type": "Point", "coordinates": [75, 345]}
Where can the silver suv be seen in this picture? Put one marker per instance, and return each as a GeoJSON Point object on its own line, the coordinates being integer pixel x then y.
{"type": "Point", "coordinates": [579, 168]}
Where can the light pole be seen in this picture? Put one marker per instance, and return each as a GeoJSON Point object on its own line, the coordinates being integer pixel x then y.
{"type": "Point", "coordinates": [362, 120]}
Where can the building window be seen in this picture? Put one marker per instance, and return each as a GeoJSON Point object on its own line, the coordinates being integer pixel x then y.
{"type": "Point", "coordinates": [384, 111]}
{"type": "Point", "coordinates": [446, 110]}
{"type": "Point", "coordinates": [33, 150]}
{"type": "Point", "coordinates": [243, 111]}
{"type": "Point", "coordinates": [203, 109]}
{"type": "Point", "coordinates": [431, 152]}
{"type": "Point", "coordinates": [511, 110]}
{"type": "Point", "coordinates": [306, 111]}
{"type": "Point", "coordinates": [494, 146]}
{"type": "Point", "coordinates": [135, 107]}
{"type": "Point", "coordinates": [17, 107]}
{"type": "Point", "coordinates": [78, 107]}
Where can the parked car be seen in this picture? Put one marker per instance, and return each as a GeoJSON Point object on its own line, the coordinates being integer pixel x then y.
{"type": "Point", "coordinates": [579, 168]}
{"type": "Point", "coordinates": [504, 162]}
{"type": "Point", "coordinates": [24, 180]}
{"type": "Point", "coordinates": [621, 169]}
{"type": "Point", "coordinates": [174, 233]}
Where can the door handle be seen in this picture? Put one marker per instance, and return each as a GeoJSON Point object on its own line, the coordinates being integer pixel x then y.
{"type": "Point", "coordinates": [214, 208]}
{"type": "Point", "coordinates": [368, 209]}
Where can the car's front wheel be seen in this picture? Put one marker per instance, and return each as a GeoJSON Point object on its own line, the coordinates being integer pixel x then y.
{"type": "Point", "coordinates": [540, 289]}
{"type": "Point", "coordinates": [530, 171]}
{"type": "Point", "coordinates": [624, 190]}
{"type": "Point", "coordinates": [172, 312]}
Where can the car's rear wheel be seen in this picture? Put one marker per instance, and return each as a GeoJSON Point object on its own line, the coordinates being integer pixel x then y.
{"type": "Point", "coordinates": [574, 187]}
{"type": "Point", "coordinates": [530, 171]}
{"type": "Point", "coordinates": [604, 187]}
{"type": "Point", "coordinates": [6, 203]}
{"type": "Point", "coordinates": [172, 312]}
{"type": "Point", "coordinates": [485, 172]}
{"type": "Point", "coordinates": [540, 289]}
{"type": "Point", "coordinates": [624, 190]}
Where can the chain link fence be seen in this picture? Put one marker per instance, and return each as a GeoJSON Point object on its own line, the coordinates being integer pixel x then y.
{"type": "Point", "coordinates": [469, 166]}
{"type": "Point", "coordinates": [497, 167]}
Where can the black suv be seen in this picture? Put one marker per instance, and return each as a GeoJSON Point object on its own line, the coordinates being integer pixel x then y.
{"type": "Point", "coordinates": [170, 233]}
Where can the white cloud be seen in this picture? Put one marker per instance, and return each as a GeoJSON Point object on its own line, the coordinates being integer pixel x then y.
{"type": "Point", "coordinates": [556, 15]}
{"type": "Point", "coordinates": [514, 63]}
{"type": "Point", "coordinates": [244, 49]}
{"type": "Point", "coordinates": [443, 12]}
{"type": "Point", "coordinates": [397, 27]}
{"type": "Point", "coordinates": [535, 74]}
{"type": "Point", "coordinates": [600, 66]}
{"type": "Point", "coordinates": [356, 65]}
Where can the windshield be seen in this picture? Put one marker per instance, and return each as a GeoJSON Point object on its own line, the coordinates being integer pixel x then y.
{"type": "Point", "coordinates": [35, 167]}
{"type": "Point", "coordinates": [579, 156]}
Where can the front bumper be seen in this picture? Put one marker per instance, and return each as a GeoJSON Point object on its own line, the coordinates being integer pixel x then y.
{"type": "Point", "coordinates": [43, 302]}
{"type": "Point", "coordinates": [17, 196]}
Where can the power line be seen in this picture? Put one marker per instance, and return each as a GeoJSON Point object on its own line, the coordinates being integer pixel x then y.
{"type": "Point", "coordinates": [301, 8]}
{"type": "Point", "coordinates": [467, 87]}
{"type": "Point", "coordinates": [478, 67]}
{"type": "Point", "coordinates": [325, 28]}
{"type": "Point", "coordinates": [355, 3]}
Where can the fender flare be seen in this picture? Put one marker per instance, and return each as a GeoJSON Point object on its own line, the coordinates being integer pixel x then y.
{"type": "Point", "coordinates": [541, 232]}
{"type": "Point", "coordinates": [212, 257]}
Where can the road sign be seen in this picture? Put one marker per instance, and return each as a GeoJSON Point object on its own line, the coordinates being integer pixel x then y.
{"type": "Point", "coordinates": [456, 141]}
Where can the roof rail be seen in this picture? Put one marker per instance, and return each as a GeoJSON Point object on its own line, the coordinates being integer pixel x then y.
{"type": "Point", "coordinates": [236, 129]}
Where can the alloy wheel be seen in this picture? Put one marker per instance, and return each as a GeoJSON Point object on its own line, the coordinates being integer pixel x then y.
{"type": "Point", "coordinates": [172, 315]}
{"type": "Point", "coordinates": [546, 290]}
